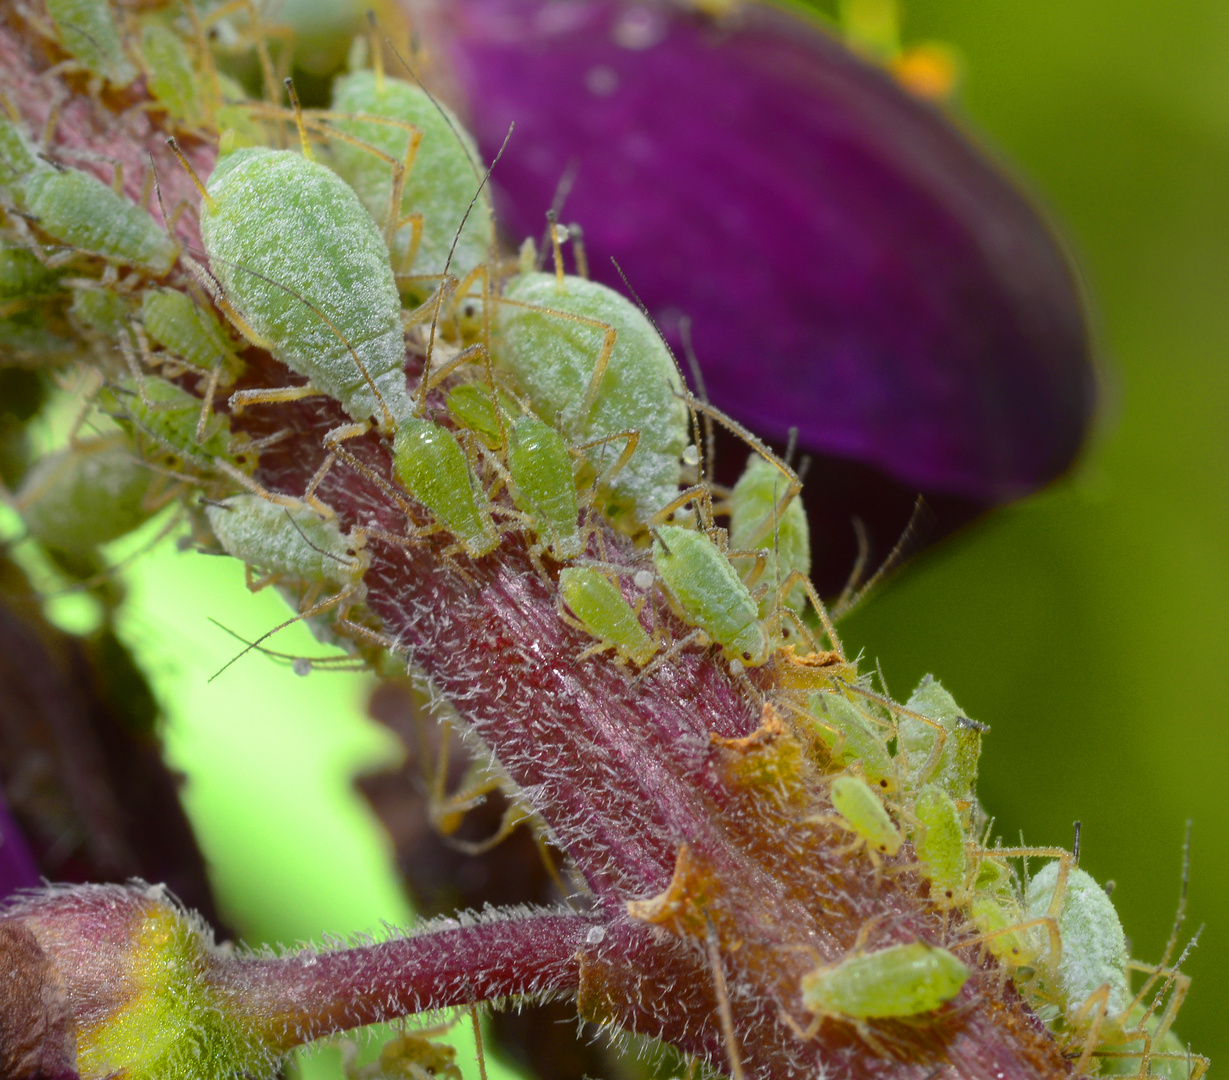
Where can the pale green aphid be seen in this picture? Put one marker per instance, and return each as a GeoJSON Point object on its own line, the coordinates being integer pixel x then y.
{"type": "Point", "coordinates": [1000, 920]}
{"type": "Point", "coordinates": [939, 841]}
{"type": "Point", "coordinates": [171, 72]}
{"type": "Point", "coordinates": [542, 484]}
{"type": "Point", "coordinates": [86, 495]}
{"type": "Point", "coordinates": [581, 352]}
{"type": "Point", "coordinates": [956, 769]}
{"type": "Point", "coordinates": [433, 468]}
{"type": "Point", "coordinates": [901, 980]}
{"type": "Point", "coordinates": [306, 270]}
{"type": "Point", "coordinates": [24, 279]}
{"type": "Point", "coordinates": [864, 814]}
{"type": "Point", "coordinates": [786, 541]}
{"type": "Point", "coordinates": [1093, 964]}
{"type": "Point", "coordinates": [77, 209]}
{"type": "Point", "coordinates": [88, 30]}
{"type": "Point", "coordinates": [709, 593]}
{"type": "Point", "coordinates": [437, 188]}
{"type": "Point", "coordinates": [99, 311]}
{"type": "Point", "coordinates": [176, 322]}
{"type": "Point", "coordinates": [472, 407]}
{"type": "Point", "coordinates": [599, 605]}
{"type": "Point", "coordinates": [839, 720]}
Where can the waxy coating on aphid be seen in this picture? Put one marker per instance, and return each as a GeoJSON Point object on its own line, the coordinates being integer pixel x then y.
{"type": "Point", "coordinates": [839, 719]}
{"type": "Point", "coordinates": [77, 209]}
{"type": "Point", "coordinates": [542, 484]}
{"type": "Point", "coordinates": [176, 322]}
{"type": "Point", "coordinates": [553, 358]}
{"type": "Point", "coordinates": [88, 30]}
{"type": "Point", "coordinates": [709, 593]}
{"type": "Point", "coordinates": [786, 541]}
{"type": "Point", "coordinates": [431, 465]}
{"type": "Point", "coordinates": [956, 771]}
{"type": "Point", "coordinates": [293, 542]}
{"type": "Point", "coordinates": [438, 186]}
{"type": "Point", "coordinates": [864, 814]}
{"type": "Point", "coordinates": [901, 980]}
{"type": "Point", "coordinates": [598, 603]}
{"type": "Point", "coordinates": [86, 495]}
{"type": "Point", "coordinates": [939, 841]}
{"type": "Point", "coordinates": [302, 262]}
{"type": "Point", "coordinates": [1094, 948]}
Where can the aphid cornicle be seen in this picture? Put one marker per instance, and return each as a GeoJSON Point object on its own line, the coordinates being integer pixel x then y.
{"type": "Point", "coordinates": [599, 605]}
{"type": "Point", "coordinates": [438, 186]}
{"type": "Point", "coordinates": [900, 980]}
{"type": "Point", "coordinates": [302, 264]}
{"type": "Point", "coordinates": [581, 352]}
{"type": "Point", "coordinates": [709, 593]}
{"type": "Point", "coordinates": [863, 813]}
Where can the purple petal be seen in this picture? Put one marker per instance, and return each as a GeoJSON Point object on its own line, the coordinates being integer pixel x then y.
{"type": "Point", "coordinates": [17, 869]}
{"type": "Point", "coordinates": [852, 264]}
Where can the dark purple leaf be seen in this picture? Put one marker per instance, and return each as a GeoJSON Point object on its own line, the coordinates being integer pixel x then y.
{"type": "Point", "coordinates": [853, 265]}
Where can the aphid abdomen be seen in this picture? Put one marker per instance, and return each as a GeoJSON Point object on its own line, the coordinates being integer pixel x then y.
{"type": "Point", "coordinates": [956, 770]}
{"type": "Point", "coordinates": [171, 76]}
{"type": "Point", "coordinates": [303, 264]}
{"type": "Point", "coordinates": [77, 208]}
{"type": "Point", "coordinates": [88, 30]}
{"type": "Point", "coordinates": [838, 716]}
{"type": "Point", "coordinates": [543, 487]}
{"type": "Point", "coordinates": [710, 593]}
{"type": "Point", "coordinates": [901, 980]}
{"type": "Point", "coordinates": [786, 542]}
{"type": "Point", "coordinates": [277, 539]}
{"type": "Point", "coordinates": [176, 322]}
{"type": "Point", "coordinates": [440, 184]}
{"type": "Point", "coordinates": [1094, 949]}
{"type": "Point", "coordinates": [940, 846]}
{"type": "Point", "coordinates": [600, 606]}
{"type": "Point", "coordinates": [431, 464]}
{"type": "Point", "coordinates": [864, 814]}
{"type": "Point", "coordinates": [553, 360]}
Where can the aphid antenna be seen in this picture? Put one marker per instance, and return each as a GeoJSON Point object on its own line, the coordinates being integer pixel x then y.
{"type": "Point", "coordinates": [859, 566]}
{"type": "Point", "coordinates": [562, 190]}
{"type": "Point", "coordinates": [577, 236]}
{"type": "Point", "coordinates": [420, 405]}
{"type": "Point", "coordinates": [919, 520]}
{"type": "Point", "coordinates": [330, 663]}
{"type": "Point", "coordinates": [1075, 844]}
{"type": "Point", "coordinates": [293, 94]}
{"type": "Point", "coordinates": [697, 377]}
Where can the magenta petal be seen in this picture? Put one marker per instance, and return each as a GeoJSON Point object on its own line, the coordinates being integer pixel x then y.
{"type": "Point", "coordinates": [852, 265]}
{"type": "Point", "coordinates": [17, 869]}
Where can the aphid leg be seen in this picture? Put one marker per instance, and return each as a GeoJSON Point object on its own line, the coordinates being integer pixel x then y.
{"type": "Point", "coordinates": [724, 1012]}
{"type": "Point", "coordinates": [251, 485]}
{"type": "Point", "coordinates": [241, 399]}
{"type": "Point", "coordinates": [696, 636]}
{"type": "Point", "coordinates": [259, 31]}
{"type": "Point", "coordinates": [630, 440]}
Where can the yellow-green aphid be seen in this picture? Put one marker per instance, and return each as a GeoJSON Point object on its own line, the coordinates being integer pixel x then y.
{"type": "Point", "coordinates": [439, 185]}
{"type": "Point", "coordinates": [939, 841]}
{"type": "Point", "coordinates": [598, 603]}
{"type": "Point", "coordinates": [786, 542]}
{"type": "Point", "coordinates": [1126, 1056]}
{"type": "Point", "coordinates": [99, 311]}
{"type": "Point", "coordinates": [554, 360]}
{"type": "Point", "coordinates": [471, 406]}
{"type": "Point", "coordinates": [170, 73]}
{"type": "Point", "coordinates": [839, 720]}
{"type": "Point", "coordinates": [862, 811]}
{"type": "Point", "coordinates": [956, 769]}
{"type": "Point", "coordinates": [24, 279]}
{"type": "Point", "coordinates": [901, 980]}
{"type": "Point", "coordinates": [86, 495]}
{"type": "Point", "coordinates": [77, 209]}
{"type": "Point", "coordinates": [289, 242]}
{"type": "Point", "coordinates": [1094, 948]}
{"type": "Point", "coordinates": [408, 1056]}
{"type": "Point", "coordinates": [710, 594]}
{"type": "Point", "coordinates": [431, 465]}
{"type": "Point", "coordinates": [176, 322]}
{"type": "Point", "coordinates": [291, 542]}
{"type": "Point", "coordinates": [542, 484]}
{"type": "Point", "coordinates": [87, 29]}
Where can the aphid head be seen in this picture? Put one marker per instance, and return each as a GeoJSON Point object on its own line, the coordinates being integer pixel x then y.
{"type": "Point", "coordinates": [751, 647]}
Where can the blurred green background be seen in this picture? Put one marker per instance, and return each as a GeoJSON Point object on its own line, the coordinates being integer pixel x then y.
{"type": "Point", "coordinates": [1087, 627]}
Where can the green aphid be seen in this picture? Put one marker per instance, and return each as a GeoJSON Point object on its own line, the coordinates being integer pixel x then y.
{"type": "Point", "coordinates": [286, 541]}
{"type": "Point", "coordinates": [471, 406]}
{"type": "Point", "coordinates": [100, 312]}
{"type": "Point", "coordinates": [88, 31]}
{"type": "Point", "coordinates": [900, 980]}
{"type": "Point", "coordinates": [77, 209]}
{"type": "Point", "coordinates": [956, 769]}
{"type": "Point", "coordinates": [1167, 1058]}
{"type": "Point", "coordinates": [18, 159]}
{"type": "Point", "coordinates": [999, 918]}
{"type": "Point", "coordinates": [431, 465]}
{"type": "Point", "coordinates": [169, 417]}
{"type": "Point", "coordinates": [542, 485]}
{"type": "Point", "coordinates": [86, 495]}
{"type": "Point", "coordinates": [709, 594]}
{"type": "Point", "coordinates": [786, 542]}
{"type": "Point", "coordinates": [439, 185]}
{"type": "Point", "coordinates": [170, 73]}
{"type": "Point", "coordinates": [25, 279]}
{"type": "Point", "coordinates": [581, 352]}
{"type": "Point", "coordinates": [176, 322]}
{"type": "Point", "coordinates": [865, 815]}
{"type": "Point", "coordinates": [599, 605]}
{"type": "Point", "coordinates": [939, 841]}
{"type": "Point", "coordinates": [839, 720]}
{"type": "Point", "coordinates": [1094, 949]}
{"type": "Point", "coordinates": [305, 268]}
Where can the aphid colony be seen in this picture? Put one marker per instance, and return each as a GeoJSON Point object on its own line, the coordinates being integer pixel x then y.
{"type": "Point", "coordinates": [548, 408]}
